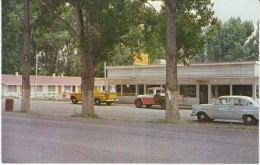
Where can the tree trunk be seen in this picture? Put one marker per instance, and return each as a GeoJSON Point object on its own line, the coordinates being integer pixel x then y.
{"type": "Point", "coordinates": [87, 85]}
{"type": "Point", "coordinates": [25, 107]}
{"type": "Point", "coordinates": [172, 108]}
{"type": "Point", "coordinates": [87, 64]}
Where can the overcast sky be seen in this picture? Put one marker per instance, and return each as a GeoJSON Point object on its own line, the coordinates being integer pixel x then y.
{"type": "Point", "coordinates": [245, 9]}
{"type": "Point", "coordinates": [225, 9]}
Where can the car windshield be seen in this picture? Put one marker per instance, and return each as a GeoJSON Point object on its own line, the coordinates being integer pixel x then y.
{"type": "Point", "coordinates": [254, 103]}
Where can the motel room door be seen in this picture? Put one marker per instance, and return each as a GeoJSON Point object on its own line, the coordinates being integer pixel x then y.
{"type": "Point", "coordinates": [203, 95]}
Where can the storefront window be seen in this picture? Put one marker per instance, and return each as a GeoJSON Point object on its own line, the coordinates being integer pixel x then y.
{"type": "Point", "coordinates": [257, 91]}
{"type": "Point", "coordinates": [220, 90]}
{"type": "Point", "coordinates": [243, 90]}
{"type": "Point", "coordinates": [128, 90]}
{"type": "Point", "coordinates": [140, 89]}
{"type": "Point", "coordinates": [188, 90]}
{"type": "Point", "coordinates": [118, 90]}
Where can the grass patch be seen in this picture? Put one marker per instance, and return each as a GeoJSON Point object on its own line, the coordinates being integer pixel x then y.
{"type": "Point", "coordinates": [168, 121]}
{"type": "Point", "coordinates": [92, 116]}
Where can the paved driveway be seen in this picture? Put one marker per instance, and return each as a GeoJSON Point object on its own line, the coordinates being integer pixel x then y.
{"type": "Point", "coordinates": [115, 111]}
{"type": "Point", "coordinates": [119, 112]}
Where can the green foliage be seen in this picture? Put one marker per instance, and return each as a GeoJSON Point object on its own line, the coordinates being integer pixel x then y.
{"type": "Point", "coordinates": [234, 40]}
{"type": "Point", "coordinates": [91, 116]}
{"type": "Point", "coordinates": [169, 121]}
{"type": "Point", "coordinates": [12, 37]}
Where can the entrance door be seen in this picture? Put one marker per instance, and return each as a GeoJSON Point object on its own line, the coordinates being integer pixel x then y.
{"type": "Point", "coordinates": [203, 94]}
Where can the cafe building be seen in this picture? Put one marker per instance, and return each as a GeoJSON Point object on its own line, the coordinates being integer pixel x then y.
{"type": "Point", "coordinates": [198, 82]}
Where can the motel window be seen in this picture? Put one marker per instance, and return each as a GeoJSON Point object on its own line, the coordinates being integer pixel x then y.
{"type": "Point", "coordinates": [12, 88]}
{"type": "Point", "coordinates": [67, 88]}
{"type": "Point", "coordinates": [188, 90]}
{"type": "Point", "coordinates": [39, 88]}
{"type": "Point", "coordinates": [128, 90]}
{"type": "Point", "coordinates": [51, 88]}
{"type": "Point", "coordinates": [244, 90]}
{"type": "Point", "coordinates": [220, 90]}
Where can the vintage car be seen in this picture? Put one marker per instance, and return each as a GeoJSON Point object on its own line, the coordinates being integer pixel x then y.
{"type": "Point", "coordinates": [229, 107]}
{"type": "Point", "coordinates": [154, 96]}
{"type": "Point", "coordinates": [99, 98]}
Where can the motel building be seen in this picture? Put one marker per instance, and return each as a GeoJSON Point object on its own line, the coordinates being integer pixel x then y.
{"type": "Point", "coordinates": [45, 87]}
{"type": "Point", "coordinates": [198, 83]}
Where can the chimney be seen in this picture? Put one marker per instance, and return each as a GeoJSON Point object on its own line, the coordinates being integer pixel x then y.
{"type": "Point", "coordinates": [53, 75]}
{"type": "Point", "coordinates": [16, 74]}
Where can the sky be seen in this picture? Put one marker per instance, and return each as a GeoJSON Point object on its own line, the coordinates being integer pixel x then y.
{"type": "Point", "coordinates": [225, 9]}
{"type": "Point", "coordinates": [245, 9]}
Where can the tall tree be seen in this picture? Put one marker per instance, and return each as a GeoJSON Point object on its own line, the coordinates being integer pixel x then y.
{"type": "Point", "coordinates": [172, 109]}
{"type": "Point", "coordinates": [100, 26]}
{"type": "Point", "coordinates": [25, 107]}
{"type": "Point", "coordinates": [233, 40]}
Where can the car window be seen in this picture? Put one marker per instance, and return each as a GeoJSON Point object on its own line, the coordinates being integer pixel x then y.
{"type": "Point", "coordinates": [239, 102]}
{"type": "Point", "coordinates": [150, 92]}
{"type": "Point", "coordinates": [159, 91]}
{"type": "Point", "coordinates": [225, 101]}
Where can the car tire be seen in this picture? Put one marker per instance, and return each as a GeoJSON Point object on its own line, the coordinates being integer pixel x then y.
{"type": "Point", "coordinates": [249, 119]}
{"type": "Point", "coordinates": [74, 100]}
{"type": "Point", "coordinates": [97, 102]}
{"type": "Point", "coordinates": [163, 105]}
{"type": "Point", "coordinates": [203, 117]}
{"type": "Point", "coordinates": [138, 103]}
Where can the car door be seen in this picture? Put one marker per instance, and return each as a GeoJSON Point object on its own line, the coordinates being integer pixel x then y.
{"type": "Point", "coordinates": [224, 110]}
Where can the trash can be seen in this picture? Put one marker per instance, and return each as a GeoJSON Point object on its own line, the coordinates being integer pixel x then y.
{"type": "Point", "coordinates": [9, 104]}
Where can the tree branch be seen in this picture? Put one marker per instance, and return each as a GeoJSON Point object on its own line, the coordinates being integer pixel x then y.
{"type": "Point", "coordinates": [13, 5]}
{"type": "Point", "coordinates": [57, 16]}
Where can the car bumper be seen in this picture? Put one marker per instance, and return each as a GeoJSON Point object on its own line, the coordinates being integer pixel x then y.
{"type": "Point", "coordinates": [112, 100]}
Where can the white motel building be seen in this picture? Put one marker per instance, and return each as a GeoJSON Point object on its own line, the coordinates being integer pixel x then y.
{"type": "Point", "coordinates": [198, 83]}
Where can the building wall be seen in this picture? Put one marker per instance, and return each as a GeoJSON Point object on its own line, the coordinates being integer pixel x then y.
{"type": "Point", "coordinates": [235, 76]}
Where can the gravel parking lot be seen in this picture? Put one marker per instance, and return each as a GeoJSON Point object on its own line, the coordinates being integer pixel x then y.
{"type": "Point", "coordinates": [117, 112]}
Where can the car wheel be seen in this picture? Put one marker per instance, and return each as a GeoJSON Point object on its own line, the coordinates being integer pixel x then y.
{"type": "Point", "coordinates": [203, 117]}
{"type": "Point", "coordinates": [138, 103]}
{"type": "Point", "coordinates": [74, 100]}
{"type": "Point", "coordinates": [249, 120]}
{"type": "Point", "coordinates": [163, 105]}
{"type": "Point", "coordinates": [97, 102]}
{"type": "Point", "coordinates": [108, 103]}
{"type": "Point", "coordinates": [148, 106]}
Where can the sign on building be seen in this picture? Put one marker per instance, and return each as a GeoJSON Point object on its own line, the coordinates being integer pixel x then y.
{"type": "Point", "coordinates": [140, 59]}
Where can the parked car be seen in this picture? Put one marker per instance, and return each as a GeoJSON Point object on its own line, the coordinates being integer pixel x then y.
{"type": "Point", "coordinates": [99, 98]}
{"type": "Point", "coordinates": [154, 96]}
{"type": "Point", "coordinates": [229, 107]}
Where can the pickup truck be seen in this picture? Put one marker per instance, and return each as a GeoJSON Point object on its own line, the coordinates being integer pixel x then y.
{"type": "Point", "coordinates": [99, 98]}
{"type": "Point", "coordinates": [154, 96]}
